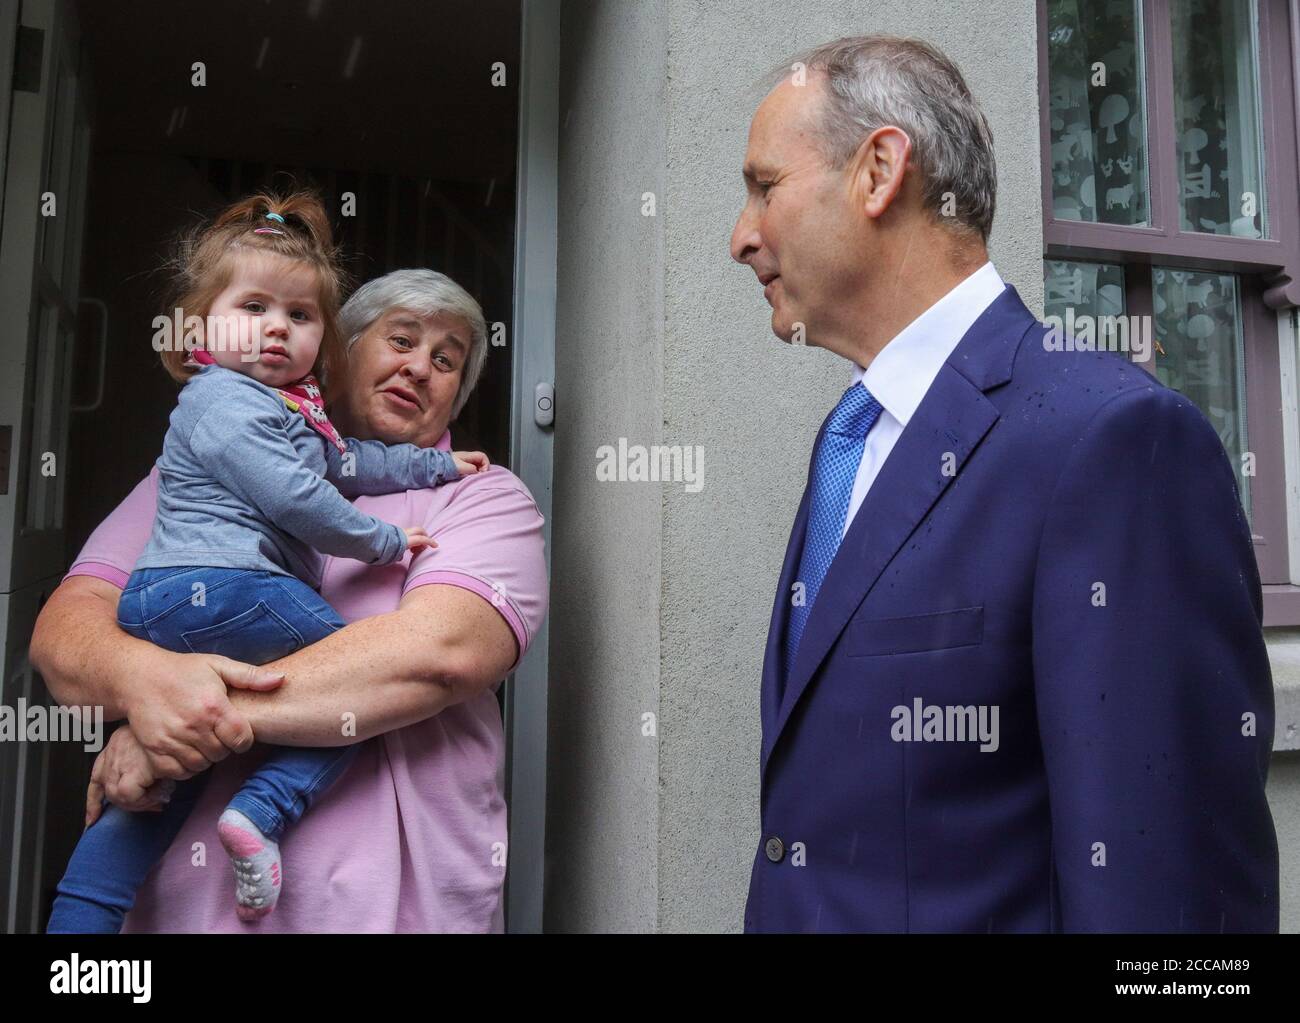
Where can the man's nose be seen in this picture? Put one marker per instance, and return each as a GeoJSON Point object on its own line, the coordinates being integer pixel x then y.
{"type": "Point", "coordinates": [745, 240]}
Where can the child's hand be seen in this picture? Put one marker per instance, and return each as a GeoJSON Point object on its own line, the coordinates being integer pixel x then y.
{"type": "Point", "coordinates": [417, 539]}
{"type": "Point", "coordinates": [470, 462]}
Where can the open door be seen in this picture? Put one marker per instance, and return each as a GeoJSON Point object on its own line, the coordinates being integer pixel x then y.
{"type": "Point", "coordinates": [437, 182]}
{"type": "Point", "coordinates": [44, 156]}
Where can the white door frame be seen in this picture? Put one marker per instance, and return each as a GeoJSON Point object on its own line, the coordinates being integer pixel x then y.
{"type": "Point", "coordinates": [533, 346]}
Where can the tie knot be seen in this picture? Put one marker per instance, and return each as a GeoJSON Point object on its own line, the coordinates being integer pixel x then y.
{"type": "Point", "coordinates": [855, 414]}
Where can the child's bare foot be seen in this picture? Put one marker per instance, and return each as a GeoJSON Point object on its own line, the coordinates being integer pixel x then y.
{"type": "Point", "coordinates": [256, 860]}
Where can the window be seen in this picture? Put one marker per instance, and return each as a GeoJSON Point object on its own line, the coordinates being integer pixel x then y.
{"type": "Point", "coordinates": [1172, 208]}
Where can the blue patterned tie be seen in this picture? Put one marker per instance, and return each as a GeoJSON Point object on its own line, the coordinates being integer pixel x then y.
{"type": "Point", "coordinates": [835, 467]}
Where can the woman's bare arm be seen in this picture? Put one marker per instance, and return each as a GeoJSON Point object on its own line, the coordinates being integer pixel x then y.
{"type": "Point", "coordinates": [78, 648]}
{"type": "Point", "coordinates": [443, 645]}
{"type": "Point", "coordinates": [177, 703]}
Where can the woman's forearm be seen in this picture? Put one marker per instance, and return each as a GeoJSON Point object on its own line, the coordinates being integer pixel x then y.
{"type": "Point", "coordinates": [79, 649]}
{"type": "Point", "coordinates": [358, 683]}
{"type": "Point", "coordinates": [177, 703]}
{"type": "Point", "coordinates": [442, 646]}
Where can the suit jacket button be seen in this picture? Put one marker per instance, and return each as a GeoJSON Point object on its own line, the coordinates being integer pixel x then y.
{"type": "Point", "coordinates": [775, 849]}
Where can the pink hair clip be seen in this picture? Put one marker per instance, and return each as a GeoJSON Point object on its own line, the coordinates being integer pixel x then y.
{"type": "Point", "coordinates": [267, 230]}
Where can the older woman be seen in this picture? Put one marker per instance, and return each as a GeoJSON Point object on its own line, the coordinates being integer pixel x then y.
{"type": "Point", "coordinates": [413, 837]}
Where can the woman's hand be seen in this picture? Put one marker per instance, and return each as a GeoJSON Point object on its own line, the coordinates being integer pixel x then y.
{"type": "Point", "coordinates": [470, 462]}
{"type": "Point", "coordinates": [124, 775]}
{"type": "Point", "coordinates": [177, 704]}
{"type": "Point", "coordinates": [180, 713]}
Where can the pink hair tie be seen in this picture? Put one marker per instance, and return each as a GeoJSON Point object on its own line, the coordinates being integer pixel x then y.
{"type": "Point", "coordinates": [270, 230]}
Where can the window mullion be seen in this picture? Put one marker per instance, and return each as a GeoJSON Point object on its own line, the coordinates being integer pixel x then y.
{"type": "Point", "coordinates": [1263, 429]}
{"type": "Point", "coordinates": [1162, 159]}
{"type": "Point", "coordinates": [1138, 302]}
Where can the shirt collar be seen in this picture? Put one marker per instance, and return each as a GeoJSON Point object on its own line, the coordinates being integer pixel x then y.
{"type": "Point", "coordinates": [903, 371]}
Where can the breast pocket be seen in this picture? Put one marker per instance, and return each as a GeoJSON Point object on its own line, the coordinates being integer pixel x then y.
{"type": "Point", "coordinates": [941, 630]}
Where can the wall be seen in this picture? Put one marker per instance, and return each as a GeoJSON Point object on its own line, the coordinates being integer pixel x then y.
{"type": "Point", "coordinates": [602, 831]}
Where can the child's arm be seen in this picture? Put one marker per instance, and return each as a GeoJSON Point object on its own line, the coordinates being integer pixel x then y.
{"type": "Point", "coordinates": [245, 446]}
{"type": "Point", "coordinates": [373, 467]}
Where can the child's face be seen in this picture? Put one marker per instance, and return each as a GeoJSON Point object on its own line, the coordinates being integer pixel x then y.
{"type": "Point", "coordinates": [267, 323]}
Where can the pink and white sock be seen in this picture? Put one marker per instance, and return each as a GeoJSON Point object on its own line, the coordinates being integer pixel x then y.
{"type": "Point", "coordinates": [256, 860]}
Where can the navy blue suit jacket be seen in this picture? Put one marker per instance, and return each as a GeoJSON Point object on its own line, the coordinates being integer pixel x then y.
{"type": "Point", "coordinates": [1059, 536]}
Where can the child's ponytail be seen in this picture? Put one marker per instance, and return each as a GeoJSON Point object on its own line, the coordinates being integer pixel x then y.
{"type": "Point", "coordinates": [301, 212]}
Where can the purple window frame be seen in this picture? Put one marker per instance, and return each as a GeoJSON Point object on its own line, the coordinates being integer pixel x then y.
{"type": "Point", "coordinates": [1268, 268]}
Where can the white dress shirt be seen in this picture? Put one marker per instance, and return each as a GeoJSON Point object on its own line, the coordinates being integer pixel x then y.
{"type": "Point", "coordinates": [906, 367]}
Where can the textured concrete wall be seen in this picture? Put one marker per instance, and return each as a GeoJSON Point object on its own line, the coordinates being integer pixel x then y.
{"type": "Point", "coordinates": [602, 844]}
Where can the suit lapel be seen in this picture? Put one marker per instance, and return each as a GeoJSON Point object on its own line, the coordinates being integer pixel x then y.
{"type": "Point", "coordinates": [953, 418]}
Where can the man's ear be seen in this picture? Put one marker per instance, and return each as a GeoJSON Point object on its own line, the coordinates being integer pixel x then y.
{"type": "Point", "coordinates": [878, 169]}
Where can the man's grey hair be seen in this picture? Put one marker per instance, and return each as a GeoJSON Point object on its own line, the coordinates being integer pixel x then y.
{"type": "Point", "coordinates": [873, 81]}
{"type": "Point", "coordinates": [424, 293]}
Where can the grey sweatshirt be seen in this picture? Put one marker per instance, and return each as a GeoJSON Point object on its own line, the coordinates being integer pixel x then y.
{"type": "Point", "coordinates": [244, 482]}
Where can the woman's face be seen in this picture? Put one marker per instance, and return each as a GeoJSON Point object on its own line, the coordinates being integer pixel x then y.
{"type": "Point", "coordinates": [403, 375]}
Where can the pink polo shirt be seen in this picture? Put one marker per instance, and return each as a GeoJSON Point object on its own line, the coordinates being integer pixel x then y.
{"type": "Point", "coordinates": [413, 836]}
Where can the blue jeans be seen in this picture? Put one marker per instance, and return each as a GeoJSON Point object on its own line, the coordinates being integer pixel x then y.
{"type": "Point", "coordinates": [251, 616]}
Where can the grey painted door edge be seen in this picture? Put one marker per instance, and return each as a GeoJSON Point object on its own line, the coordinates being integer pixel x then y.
{"type": "Point", "coordinates": [532, 342]}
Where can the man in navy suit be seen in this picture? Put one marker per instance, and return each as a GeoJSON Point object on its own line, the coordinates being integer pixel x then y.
{"type": "Point", "coordinates": [1015, 678]}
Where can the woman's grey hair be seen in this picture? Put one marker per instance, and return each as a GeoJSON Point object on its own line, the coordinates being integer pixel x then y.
{"type": "Point", "coordinates": [423, 292]}
{"type": "Point", "coordinates": [873, 81]}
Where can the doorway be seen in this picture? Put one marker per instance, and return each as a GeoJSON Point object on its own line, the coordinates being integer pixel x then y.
{"type": "Point", "coordinates": [411, 111]}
